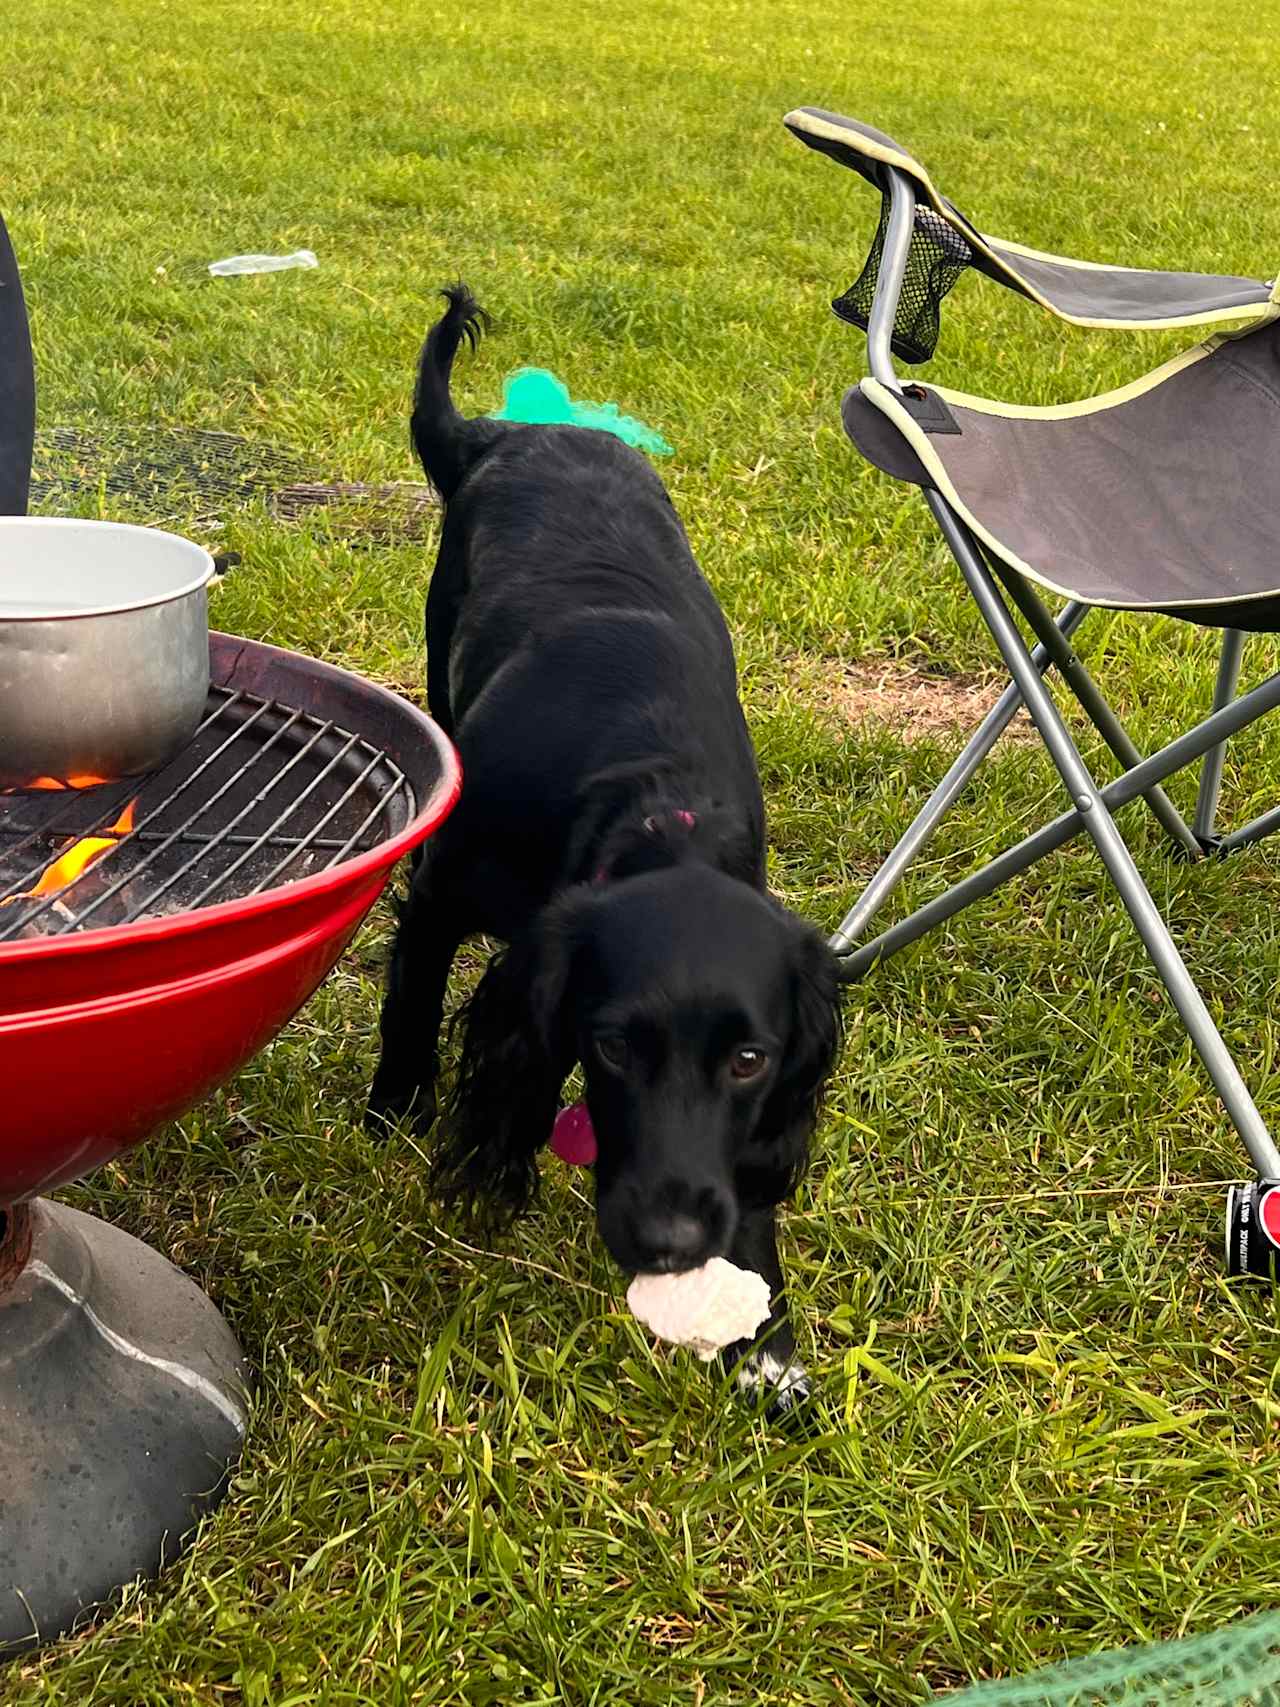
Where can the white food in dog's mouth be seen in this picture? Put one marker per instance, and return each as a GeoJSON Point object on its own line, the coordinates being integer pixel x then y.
{"type": "Point", "coordinates": [706, 1309]}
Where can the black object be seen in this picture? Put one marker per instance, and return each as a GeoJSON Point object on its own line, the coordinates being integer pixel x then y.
{"type": "Point", "coordinates": [17, 387]}
{"type": "Point", "coordinates": [262, 794]}
{"type": "Point", "coordinates": [121, 1406]}
{"type": "Point", "coordinates": [927, 409]}
{"type": "Point", "coordinates": [1253, 1228]}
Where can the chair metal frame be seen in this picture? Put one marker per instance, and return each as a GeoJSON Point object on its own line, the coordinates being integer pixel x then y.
{"type": "Point", "coordinates": [996, 588]}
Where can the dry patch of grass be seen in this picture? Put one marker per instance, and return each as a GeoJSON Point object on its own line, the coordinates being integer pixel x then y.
{"type": "Point", "coordinates": [915, 704]}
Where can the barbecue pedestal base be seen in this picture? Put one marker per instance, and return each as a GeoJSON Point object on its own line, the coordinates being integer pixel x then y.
{"type": "Point", "coordinates": [122, 1409]}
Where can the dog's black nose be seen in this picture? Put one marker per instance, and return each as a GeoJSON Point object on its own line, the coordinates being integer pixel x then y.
{"type": "Point", "coordinates": [672, 1242]}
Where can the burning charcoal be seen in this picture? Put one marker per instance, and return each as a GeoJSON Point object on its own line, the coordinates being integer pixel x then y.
{"type": "Point", "coordinates": [95, 908]}
{"type": "Point", "coordinates": [75, 868]}
{"type": "Point", "coordinates": [54, 921]}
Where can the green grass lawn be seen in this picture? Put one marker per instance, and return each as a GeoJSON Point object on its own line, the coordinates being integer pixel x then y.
{"type": "Point", "coordinates": [1046, 1422]}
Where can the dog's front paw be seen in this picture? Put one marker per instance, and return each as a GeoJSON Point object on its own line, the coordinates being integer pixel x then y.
{"type": "Point", "coordinates": [779, 1384]}
{"type": "Point", "coordinates": [392, 1106]}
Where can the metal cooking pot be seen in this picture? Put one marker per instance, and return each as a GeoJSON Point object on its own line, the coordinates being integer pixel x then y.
{"type": "Point", "coordinates": [104, 648]}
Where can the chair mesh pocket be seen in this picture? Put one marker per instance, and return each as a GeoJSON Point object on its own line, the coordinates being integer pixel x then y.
{"type": "Point", "coordinates": [936, 259]}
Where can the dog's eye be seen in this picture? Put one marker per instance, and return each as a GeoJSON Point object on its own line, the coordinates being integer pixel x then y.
{"type": "Point", "coordinates": [747, 1063]}
{"type": "Point", "coordinates": [614, 1052]}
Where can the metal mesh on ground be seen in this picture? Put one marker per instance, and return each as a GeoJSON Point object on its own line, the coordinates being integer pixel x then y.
{"type": "Point", "coordinates": [166, 473]}
{"type": "Point", "coordinates": [1235, 1667]}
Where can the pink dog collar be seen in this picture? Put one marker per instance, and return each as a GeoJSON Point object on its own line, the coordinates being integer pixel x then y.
{"type": "Point", "coordinates": [653, 827]}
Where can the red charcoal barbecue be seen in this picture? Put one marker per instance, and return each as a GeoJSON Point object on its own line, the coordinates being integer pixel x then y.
{"type": "Point", "coordinates": [154, 934]}
{"type": "Point", "coordinates": [125, 996]}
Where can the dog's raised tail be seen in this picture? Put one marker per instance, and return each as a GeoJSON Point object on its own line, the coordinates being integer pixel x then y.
{"type": "Point", "coordinates": [447, 442]}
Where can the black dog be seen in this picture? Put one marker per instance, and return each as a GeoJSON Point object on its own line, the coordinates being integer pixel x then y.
{"type": "Point", "coordinates": [611, 831]}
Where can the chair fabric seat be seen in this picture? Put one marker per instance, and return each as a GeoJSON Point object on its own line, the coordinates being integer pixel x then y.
{"type": "Point", "coordinates": [1162, 495]}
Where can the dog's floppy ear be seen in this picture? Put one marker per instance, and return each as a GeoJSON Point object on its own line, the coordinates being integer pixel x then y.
{"type": "Point", "coordinates": [781, 1148]}
{"type": "Point", "coordinates": [518, 1045]}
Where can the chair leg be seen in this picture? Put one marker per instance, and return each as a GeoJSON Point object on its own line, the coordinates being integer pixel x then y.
{"type": "Point", "coordinates": [1095, 707]}
{"type": "Point", "coordinates": [942, 799]}
{"type": "Point", "coordinates": [1176, 756]}
{"type": "Point", "coordinates": [1211, 770]}
{"type": "Point", "coordinates": [1110, 844]}
{"type": "Point", "coordinates": [1254, 831]}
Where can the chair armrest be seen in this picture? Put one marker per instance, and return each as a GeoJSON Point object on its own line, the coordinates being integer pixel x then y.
{"type": "Point", "coordinates": [1084, 293]}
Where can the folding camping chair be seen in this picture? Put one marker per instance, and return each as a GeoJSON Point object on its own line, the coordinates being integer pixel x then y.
{"type": "Point", "coordinates": [1159, 496]}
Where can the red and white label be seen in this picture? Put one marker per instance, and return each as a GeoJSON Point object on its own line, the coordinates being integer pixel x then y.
{"type": "Point", "coordinates": [1269, 1214]}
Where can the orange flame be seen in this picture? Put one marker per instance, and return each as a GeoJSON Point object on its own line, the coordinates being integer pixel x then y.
{"type": "Point", "coordinates": [78, 779]}
{"type": "Point", "coordinates": [76, 858]}
{"type": "Point", "coordinates": [74, 781]}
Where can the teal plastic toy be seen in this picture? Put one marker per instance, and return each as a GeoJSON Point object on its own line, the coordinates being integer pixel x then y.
{"type": "Point", "coordinates": [532, 394]}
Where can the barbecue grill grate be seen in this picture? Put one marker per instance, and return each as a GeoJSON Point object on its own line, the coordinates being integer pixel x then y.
{"type": "Point", "coordinates": [262, 795]}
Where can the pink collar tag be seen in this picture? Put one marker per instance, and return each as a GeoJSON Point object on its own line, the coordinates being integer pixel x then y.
{"type": "Point", "coordinates": [652, 826]}
{"type": "Point", "coordinates": [573, 1137]}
